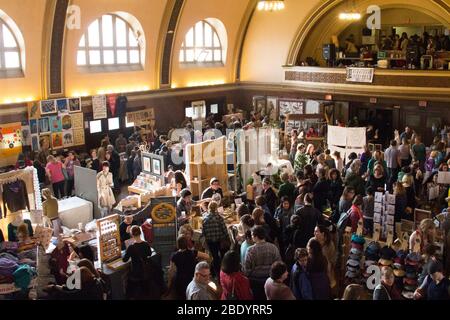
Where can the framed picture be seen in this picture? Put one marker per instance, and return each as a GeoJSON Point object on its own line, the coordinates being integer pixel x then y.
{"type": "Point", "coordinates": [272, 108]}
{"type": "Point", "coordinates": [75, 105]}
{"type": "Point", "coordinates": [48, 107]}
{"type": "Point", "coordinates": [57, 140]}
{"type": "Point", "coordinates": [66, 121]}
{"type": "Point", "coordinates": [146, 164]}
{"type": "Point", "coordinates": [62, 105]}
{"type": "Point", "coordinates": [55, 124]}
{"type": "Point", "coordinates": [44, 125]}
{"type": "Point", "coordinates": [35, 143]}
{"type": "Point", "coordinates": [156, 164]}
{"type": "Point", "coordinates": [259, 105]}
{"type": "Point", "coordinates": [44, 141]}
{"type": "Point", "coordinates": [33, 126]}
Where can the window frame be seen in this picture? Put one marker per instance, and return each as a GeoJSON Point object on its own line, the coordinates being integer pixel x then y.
{"type": "Point", "coordinates": [114, 67]}
{"type": "Point", "coordinates": [4, 71]}
{"type": "Point", "coordinates": [196, 63]}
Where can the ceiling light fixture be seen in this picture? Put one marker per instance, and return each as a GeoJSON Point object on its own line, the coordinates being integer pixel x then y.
{"type": "Point", "coordinates": [350, 16]}
{"type": "Point", "coordinates": [270, 5]}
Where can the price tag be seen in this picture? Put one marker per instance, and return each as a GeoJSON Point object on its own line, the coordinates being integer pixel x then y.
{"type": "Point", "coordinates": [417, 245]}
{"type": "Point", "coordinates": [360, 229]}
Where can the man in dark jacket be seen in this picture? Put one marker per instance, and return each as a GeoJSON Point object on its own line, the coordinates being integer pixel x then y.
{"type": "Point", "coordinates": [321, 191]}
{"type": "Point", "coordinates": [115, 166]}
{"type": "Point", "coordinates": [269, 194]}
{"type": "Point", "coordinates": [310, 217]}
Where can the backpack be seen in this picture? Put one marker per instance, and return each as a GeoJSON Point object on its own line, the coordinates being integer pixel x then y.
{"type": "Point", "coordinates": [232, 295]}
{"type": "Point", "coordinates": [343, 221]}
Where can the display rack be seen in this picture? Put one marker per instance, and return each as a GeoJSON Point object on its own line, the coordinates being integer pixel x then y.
{"type": "Point", "coordinates": [205, 161]}
{"type": "Point", "coordinates": [108, 237]}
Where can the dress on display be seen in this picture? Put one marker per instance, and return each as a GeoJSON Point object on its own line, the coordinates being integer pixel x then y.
{"type": "Point", "coordinates": [105, 194]}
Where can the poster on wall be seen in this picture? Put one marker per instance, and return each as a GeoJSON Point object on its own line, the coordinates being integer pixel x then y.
{"type": "Point", "coordinates": [77, 120]}
{"type": "Point", "coordinates": [44, 141]}
{"type": "Point", "coordinates": [35, 142]}
{"type": "Point", "coordinates": [44, 125]}
{"type": "Point", "coordinates": [78, 137]}
{"type": "Point", "coordinates": [55, 124]}
{"type": "Point", "coordinates": [99, 107]}
{"type": "Point", "coordinates": [48, 107]}
{"type": "Point", "coordinates": [141, 117]}
{"type": "Point", "coordinates": [10, 143]}
{"type": "Point", "coordinates": [33, 110]}
{"type": "Point", "coordinates": [74, 105]}
{"type": "Point", "coordinates": [66, 121]}
{"type": "Point", "coordinates": [67, 138]}
{"type": "Point", "coordinates": [57, 140]}
{"type": "Point", "coordinates": [364, 75]}
{"type": "Point", "coordinates": [34, 126]}
{"type": "Point", "coordinates": [62, 105]}
{"type": "Point", "coordinates": [26, 135]}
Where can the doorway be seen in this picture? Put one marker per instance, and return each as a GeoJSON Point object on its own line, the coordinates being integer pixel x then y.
{"type": "Point", "coordinates": [383, 118]}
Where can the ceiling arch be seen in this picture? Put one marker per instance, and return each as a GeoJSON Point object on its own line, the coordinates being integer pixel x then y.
{"type": "Point", "coordinates": [323, 21]}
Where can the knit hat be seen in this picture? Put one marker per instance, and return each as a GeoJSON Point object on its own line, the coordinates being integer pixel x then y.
{"type": "Point", "coordinates": [399, 273]}
{"type": "Point", "coordinates": [385, 262]}
{"type": "Point", "coordinates": [358, 239]}
{"type": "Point", "coordinates": [387, 253]}
{"type": "Point", "coordinates": [353, 263]}
{"type": "Point", "coordinates": [436, 266]}
{"type": "Point", "coordinates": [355, 251]}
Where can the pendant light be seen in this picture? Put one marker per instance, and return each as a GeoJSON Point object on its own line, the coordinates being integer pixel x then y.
{"type": "Point", "coordinates": [351, 15]}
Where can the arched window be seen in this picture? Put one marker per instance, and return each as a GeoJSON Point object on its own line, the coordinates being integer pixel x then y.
{"type": "Point", "coordinates": [10, 51]}
{"type": "Point", "coordinates": [204, 43]}
{"type": "Point", "coordinates": [111, 43]}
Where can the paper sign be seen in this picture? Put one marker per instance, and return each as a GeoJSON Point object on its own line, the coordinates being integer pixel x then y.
{"type": "Point", "coordinates": [99, 107]}
{"type": "Point", "coordinates": [390, 198]}
{"type": "Point", "coordinates": [378, 197]}
{"type": "Point", "coordinates": [337, 136]}
{"type": "Point", "coordinates": [378, 208]}
{"type": "Point", "coordinates": [360, 74]}
{"type": "Point", "coordinates": [444, 177]}
{"type": "Point", "coordinates": [390, 237]}
{"type": "Point", "coordinates": [360, 229]}
{"type": "Point", "coordinates": [238, 201]}
{"type": "Point", "coordinates": [376, 231]}
{"type": "Point", "coordinates": [391, 209]}
{"type": "Point", "coordinates": [356, 137]}
{"type": "Point", "coordinates": [390, 220]}
{"type": "Point", "coordinates": [377, 217]}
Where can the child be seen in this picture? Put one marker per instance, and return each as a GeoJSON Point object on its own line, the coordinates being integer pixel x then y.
{"type": "Point", "coordinates": [368, 209]}
{"type": "Point", "coordinates": [300, 284]}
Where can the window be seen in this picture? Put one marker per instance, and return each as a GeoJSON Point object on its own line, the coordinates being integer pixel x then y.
{"type": "Point", "coordinates": [113, 124]}
{"type": "Point", "coordinates": [10, 53]}
{"type": "Point", "coordinates": [110, 42]}
{"type": "Point", "coordinates": [203, 44]}
{"type": "Point", "coordinates": [96, 126]}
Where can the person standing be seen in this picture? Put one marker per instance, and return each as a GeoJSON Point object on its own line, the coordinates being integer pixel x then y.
{"type": "Point", "coordinates": [198, 287]}
{"type": "Point", "coordinates": [105, 184]}
{"type": "Point", "coordinates": [70, 163]}
{"type": "Point", "coordinates": [419, 152]}
{"type": "Point", "coordinates": [215, 233]}
{"type": "Point", "coordinates": [234, 284]}
{"type": "Point", "coordinates": [310, 217]}
{"type": "Point", "coordinates": [269, 195]}
{"type": "Point", "coordinates": [137, 252]}
{"type": "Point", "coordinates": [121, 143]}
{"type": "Point", "coordinates": [274, 287]}
{"type": "Point", "coordinates": [392, 157]}
{"type": "Point", "coordinates": [317, 269]}
{"type": "Point", "coordinates": [114, 165]}
{"type": "Point", "coordinates": [387, 289]}
{"type": "Point", "coordinates": [50, 211]}
{"type": "Point", "coordinates": [54, 170]}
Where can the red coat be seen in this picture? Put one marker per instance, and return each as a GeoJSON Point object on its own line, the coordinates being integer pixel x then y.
{"type": "Point", "coordinates": [355, 216]}
{"type": "Point", "coordinates": [241, 286]}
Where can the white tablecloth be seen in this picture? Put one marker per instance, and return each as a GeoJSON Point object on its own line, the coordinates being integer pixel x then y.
{"type": "Point", "coordinates": [75, 210]}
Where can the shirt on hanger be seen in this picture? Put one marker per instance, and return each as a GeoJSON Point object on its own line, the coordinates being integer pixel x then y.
{"type": "Point", "coordinates": [15, 197]}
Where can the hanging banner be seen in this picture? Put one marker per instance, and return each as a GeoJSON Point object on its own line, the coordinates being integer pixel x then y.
{"type": "Point", "coordinates": [112, 104]}
{"type": "Point", "coordinates": [99, 107]}
{"type": "Point", "coordinates": [360, 74]}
